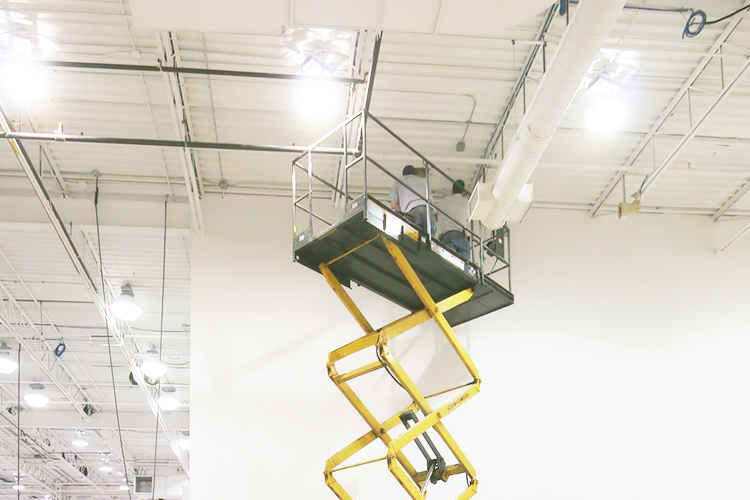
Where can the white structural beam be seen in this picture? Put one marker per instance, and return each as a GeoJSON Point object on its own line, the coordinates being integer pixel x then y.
{"type": "Point", "coordinates": [127, 345]}
{"type": "Point", "coordinates": [710, 55]}
{"type": "Point", "coordinates": [734, 199]}
{"type": "Point", "coordinates": [685, 140]}
{"type": "Point", "coordinates": [18, 324]}
{"type": "Point", "coordinates": [183, 125]}
{"type": "Point", "coordinates": [744, 231]}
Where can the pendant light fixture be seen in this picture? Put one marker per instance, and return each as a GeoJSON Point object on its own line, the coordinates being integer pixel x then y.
{"type": "Point", "coordinates": [37, 397]}
{"type": "Point", "coordinates": [8, 364]}
{"type": "Point", "coordinates": [125, 307]}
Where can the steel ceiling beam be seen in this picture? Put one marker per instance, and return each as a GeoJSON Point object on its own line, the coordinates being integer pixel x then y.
{"type": "Point", "coordinates": [180, 70]}
{"type": "Point", "coordinates": [697, 72]}
{"type": "Point", "coordinates": [685, 140]}
{"type": "Point", "coordinates": [131, 141]}
{"type": "Point", "coordinates": [744, 231]}
{"type": "Point", "coordinates": [127, 345]}
{"type": "Point", "coordinates": [25, 332]}
{"type": "Point", "coordinates": [734, 199]}
{"type": "Point", "coordinates": [183, 127]}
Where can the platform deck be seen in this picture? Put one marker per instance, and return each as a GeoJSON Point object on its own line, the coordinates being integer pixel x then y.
{"type": "Point", "coordinates": [372, 267]}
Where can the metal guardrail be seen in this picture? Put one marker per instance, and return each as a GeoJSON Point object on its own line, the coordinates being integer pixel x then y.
{"type": "Point", "coordinates": [489, 251]}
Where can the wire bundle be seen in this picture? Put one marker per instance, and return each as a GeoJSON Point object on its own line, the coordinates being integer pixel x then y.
{"type": "Point", "coordinates": [698, 20]}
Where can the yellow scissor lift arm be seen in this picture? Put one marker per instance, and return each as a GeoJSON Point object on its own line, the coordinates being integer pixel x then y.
{"type": "Point", "coordinates": [412, 480]}
{"type": "Point", "coordinates": [391, 258]}
{"type": "Point", "coordinates": [386, 253]}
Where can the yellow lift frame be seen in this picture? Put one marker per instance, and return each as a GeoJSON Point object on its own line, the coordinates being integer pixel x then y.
{"type": "Point", "coordinates": [411, 480]}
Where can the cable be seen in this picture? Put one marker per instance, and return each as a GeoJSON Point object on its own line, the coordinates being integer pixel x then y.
{"type": "Point", "coordinates": [18, 424]}
{"type": "Point", "coordinates": [161, 341]}
{"type": "Point", "coordinates": [109, 342]}
{"type": "Point", "coordinates": [387, 369]}
{"type": "Point", "coordinates": [697, 21]}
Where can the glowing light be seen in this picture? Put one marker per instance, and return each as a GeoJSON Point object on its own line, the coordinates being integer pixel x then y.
{"type": "Point", "coordinates": [168, 402]}
{"type": "Point", "coordinates": [7, 363]}
{"type": "Point", "coordinates": [124, 487]}
{"type": "Point", "coordinates": [18, 487]}
{"type": "Point", "coordinates": [37, 397]}
{"type": "Point", "coordinates": [319, 100]}
{"type": "Point", "coordinates": [607, 116]}
{"type": "Point", "coordinates": [125, 307]}
{"type": "Point", "coordinates": [106, 468]}
{"type": "Point", "coordinates": [153, 369]}
{"type": "Point", "coordinates": [21, 78]}
{"type": "Point", "coordinates": [184, 443]}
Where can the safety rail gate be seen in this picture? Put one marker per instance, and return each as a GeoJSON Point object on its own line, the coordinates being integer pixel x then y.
{"type": "Point", "coordinates": [383, 251]}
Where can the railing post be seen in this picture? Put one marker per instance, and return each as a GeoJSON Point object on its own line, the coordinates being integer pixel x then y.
{"type": "Point", "coordinates": [310, 188]}
{"type": "Point", "coordinates": [346, 170]}
{"type": "Point", "coordinates": [429, 200]}
{"type": "Point", "coordinates": [364, 153]}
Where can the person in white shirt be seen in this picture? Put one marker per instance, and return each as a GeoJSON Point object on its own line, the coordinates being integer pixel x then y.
{"type": "Point", "coordinates": [453, 235]}
{"type": "Point", "coordinates": [404, 200]}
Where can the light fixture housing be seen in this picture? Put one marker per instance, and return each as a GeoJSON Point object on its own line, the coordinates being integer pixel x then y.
{"type": "Point", "coordinates": [18, 487]}
{"type": "Point", "coordinates": [153, 368]}
{"type": "Point", "coordinates": [80, 441]}
{"type": "Point", "coordinates": [125, 306]}
{"type": "Point", "coordinates": [37, 397]}
{"type": "Point", "coordinates": [167, 400]}
{"type": "Point", "coordinates": [184, 443]}
{"type": "Point", "coordinates": [607, 116]}
{"type": "Point", "coordinates": [8, 364]}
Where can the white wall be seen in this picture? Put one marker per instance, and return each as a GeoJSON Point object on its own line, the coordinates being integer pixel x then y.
{"type": "Point", "coordinates": [620, 372]}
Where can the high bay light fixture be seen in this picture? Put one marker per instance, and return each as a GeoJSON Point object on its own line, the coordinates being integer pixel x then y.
{"type": "Point", "coordinates": [125, 307]}
{"type": "Point", "coordinates": [80, 440]}
{"type": "Point", "coordinates": [151, 366]}
{"type": "Point", "coordinates": [37, 397]}
{"type": "Point", "coordinates": [168, 401]}
{"type": "Point", "coordinates": [8, 364]}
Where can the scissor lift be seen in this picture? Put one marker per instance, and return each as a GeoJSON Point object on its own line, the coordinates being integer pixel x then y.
{"type": "Point", "coordinates": [384, 252]}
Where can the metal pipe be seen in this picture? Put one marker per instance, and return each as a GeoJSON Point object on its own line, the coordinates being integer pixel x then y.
{"type": "Point", "coordinates": [580, 44]}
{"type": "Point", "coordinates": [189, 71]}
{"type": "Point", "coordinates": [130, 141]}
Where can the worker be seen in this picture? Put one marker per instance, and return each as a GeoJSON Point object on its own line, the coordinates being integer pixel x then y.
{"type": "Point", "coordinates": [453, 235]}
{"type": "Point", "coordinates": [414, 207]}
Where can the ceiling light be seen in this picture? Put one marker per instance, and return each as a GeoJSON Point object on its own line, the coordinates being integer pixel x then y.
{"type": "Point", "coordinates": [7, 362]}
{"type": "Point", "coordinates": [18, 486]}
{"type": "Point", "coordinates": [125, 307]}
{"type": "Point", "coordinates": [21, 78]}
{"type": "Point", "coordinates": [318, 100]}
{"type": "Point", "coordinates": [124, 486]}
{"type": "Point", "coordinates": [607, 116]}
{"type": "Point", "coordinates": [37, 397]}
{"type": "Point", "coordinates": [79, 440]}
{"type": "Point", "coordinates": [153, 368]}
{"type": "Point", "coordinates": [184, 443]}
{"type": "Point", "coordinates": [105, 468]}
{"type": "Point", "coordinates": [168, 401]}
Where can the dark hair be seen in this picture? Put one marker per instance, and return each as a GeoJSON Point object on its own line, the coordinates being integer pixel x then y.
{"type": "Point", "coordinates": [409, 170]}
{"type": "Point", "coordinates": [459, 187]}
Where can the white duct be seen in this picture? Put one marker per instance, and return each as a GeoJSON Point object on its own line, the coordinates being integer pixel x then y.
{"type": "Point", "coordinates": [578, 48]}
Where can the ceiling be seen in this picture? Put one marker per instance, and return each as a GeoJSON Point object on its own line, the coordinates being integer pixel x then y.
{"type": "Point", "coordinates": [445, 74]}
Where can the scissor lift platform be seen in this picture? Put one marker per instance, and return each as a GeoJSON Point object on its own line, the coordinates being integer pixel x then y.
{"type": "Point", "coordinates": [354, 250]}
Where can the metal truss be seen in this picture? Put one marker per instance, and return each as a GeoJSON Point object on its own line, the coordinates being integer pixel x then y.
{"type": "Point", "coordinates": [90, 277]}
{"type": "Point", "coordinates": [129, 345]}
{"type": "Point", "coordinates": [24, 330]}
{"type": "Point", "coordinates": [413, 481]}
{"type": "Point", "coordinates": [183, 125]}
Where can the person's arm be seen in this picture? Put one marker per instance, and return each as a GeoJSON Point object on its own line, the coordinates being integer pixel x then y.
{"type": "Point", "coordinates": [393, 198]}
